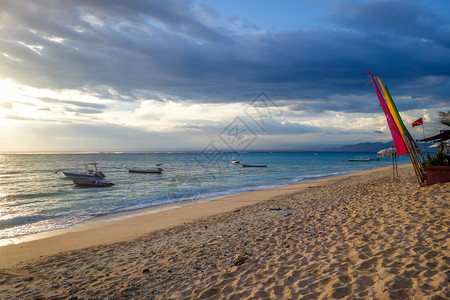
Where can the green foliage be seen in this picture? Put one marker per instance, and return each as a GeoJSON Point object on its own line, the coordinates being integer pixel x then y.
{"type": "Point", "coordinates": [438, 159]}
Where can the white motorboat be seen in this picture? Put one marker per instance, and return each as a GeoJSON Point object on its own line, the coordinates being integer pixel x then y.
{"type": "Point", "coordinates": [234, 161]}
{"type": "Point", "coordinates": [90, 172]}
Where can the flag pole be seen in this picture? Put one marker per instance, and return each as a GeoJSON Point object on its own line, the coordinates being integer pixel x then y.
{"type": "Point", "coordinates": [423, 131]}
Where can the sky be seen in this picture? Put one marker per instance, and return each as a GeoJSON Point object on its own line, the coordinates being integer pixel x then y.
{"type": "Point", "coordinates": [144, 75]}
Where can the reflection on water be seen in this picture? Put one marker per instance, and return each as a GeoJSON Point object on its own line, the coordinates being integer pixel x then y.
{"type": "Point", "coordinates": [36, 197]}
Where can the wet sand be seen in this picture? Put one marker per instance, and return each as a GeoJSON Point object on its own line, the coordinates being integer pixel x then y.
{"type": "Point", "coordinates": [361, 236]}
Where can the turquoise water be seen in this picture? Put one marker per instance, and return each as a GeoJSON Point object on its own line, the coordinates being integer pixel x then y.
{"type": "Point", "coordinates": [36, 197]}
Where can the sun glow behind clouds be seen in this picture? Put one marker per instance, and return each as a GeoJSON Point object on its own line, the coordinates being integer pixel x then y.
{"type": "Point", "coordinates": [19, 102]}
{"type": "Point", "coordinates": [41, 120]}
{"type": "Point", "coordinates": [38, 119]}
{"type": "Point", "coordinates": [7, 96]}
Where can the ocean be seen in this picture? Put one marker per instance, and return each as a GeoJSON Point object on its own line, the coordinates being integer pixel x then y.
{"type": "Point", "coordinates": [35, 197]}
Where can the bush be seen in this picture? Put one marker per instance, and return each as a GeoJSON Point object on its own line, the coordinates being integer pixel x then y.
{"type": "Point", "coordinates": [439, 158]}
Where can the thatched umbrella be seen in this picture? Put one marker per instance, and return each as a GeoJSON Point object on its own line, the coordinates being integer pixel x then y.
{"type": "Point", "coordinates": [393, 153]}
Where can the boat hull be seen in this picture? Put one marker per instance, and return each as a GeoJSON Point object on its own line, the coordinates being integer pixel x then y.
{"type": "Point", "coordinates": [89, 173]}
{"type": "Point", "coordinates": [363, 159]}
{"type": "Point", "coordinates": [157, 171]}
{"type": "Point", "coordinates": [75, 175]}
{"type": "Point", "coordinates": [253, 166]}
{"type": "Point", "coordinates": [87, 182]}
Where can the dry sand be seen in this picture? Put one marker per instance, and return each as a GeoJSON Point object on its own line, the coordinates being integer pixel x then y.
{"type": "Point", "coordinates": [362, 236]}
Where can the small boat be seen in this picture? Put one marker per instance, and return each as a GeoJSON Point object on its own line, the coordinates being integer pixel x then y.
{"type": "Point", "coordinates": [363, 158]}
{"type": "Point", "coordinates": [234, 161]}
{"type": "Point", "coordinates": [89, 173]}
{"type": "Point", "coordinates": [89, 182]}
{"type": "Point", "coordinates": [253, 166]}
{"type": "Point", "coordinates": [150, 170]}
{"type": "Point", "coordinates": [158, 170]}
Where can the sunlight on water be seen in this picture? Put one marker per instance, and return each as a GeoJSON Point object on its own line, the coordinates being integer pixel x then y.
{"type": "Point", "coordinates": [36, 197]}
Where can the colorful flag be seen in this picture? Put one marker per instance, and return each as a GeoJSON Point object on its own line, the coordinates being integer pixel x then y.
{"type": "Point", "coordinates": [394, 112]}
{"type": "Point", "coordinates": [395, 132]}
{"type": "Point", "coordinates": [417, 122]}
{"type": "Point", "coordinates": [404, 143]}
{"type": "Point", "coordinates": [392, 109]}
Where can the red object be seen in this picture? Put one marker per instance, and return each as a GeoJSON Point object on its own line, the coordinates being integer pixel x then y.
{"type": "Point", "coordinates": [417, 122]}
{"type": "Point", "coordinates": [395, 132]}
{"type": "Point", "coordinates": [436, 174]}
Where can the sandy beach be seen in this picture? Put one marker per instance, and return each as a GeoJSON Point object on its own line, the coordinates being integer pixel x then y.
{"type": "Point", "coordinates": [360, 236]}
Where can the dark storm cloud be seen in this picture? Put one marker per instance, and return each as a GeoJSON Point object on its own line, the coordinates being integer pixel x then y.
{"type": "Point", "coordinates": [75, 103]}
{"type": "Point", "coordinates": [399, 19]}
{"type": "Point", "coordinates": [167, 49]}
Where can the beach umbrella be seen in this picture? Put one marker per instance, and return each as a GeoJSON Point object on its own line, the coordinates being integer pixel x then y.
{"type": "Point", "coordinates": [393, 153]}
{"type": "Point", "coordinates": [387, 152]}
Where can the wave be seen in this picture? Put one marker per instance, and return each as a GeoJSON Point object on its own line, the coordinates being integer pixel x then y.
{"type": "Point", "coordinates": [10, 173]}
{"type": "Point", "coordinates": [22, 220]}
{"type": "Point", "coordinates": [155, 202]}
{"type": "Point", "coordinates": [55, 204]}
{"type": "Point", "coordinates": [317, 176]}
{"type": "Point", "coordinates": [44, 225]}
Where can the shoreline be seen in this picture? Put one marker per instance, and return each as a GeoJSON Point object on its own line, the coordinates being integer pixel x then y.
{"type": "Point", "coordinates": [123, 215]}
{"type": "Point", "coordinates": [362, 236]}
{"type": "Point", "coordinates": [125, 226]}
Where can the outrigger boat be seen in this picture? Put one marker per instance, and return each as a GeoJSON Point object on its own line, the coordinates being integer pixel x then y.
{"type": "Point", "coordinates": [253, 166]}
{"type": "Point", "coordinates": [151, 170]}
{"type": "Point", "coordinates": [89, 182]}
{"type": "Point", "coordinates": [89, 173]}
{"type": "Point", "coordinates": [363, 158]}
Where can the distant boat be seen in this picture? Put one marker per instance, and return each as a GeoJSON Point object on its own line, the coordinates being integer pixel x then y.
{"type": "Point", "coordinates": [150, 170]}
{"type": "Point", "coordinates": [363, 158]}
{"type": "Point", "coordinates": [158, 170]}
{"type": "Point", "coordinates": [234, 161]}
{"type": "Point", "coordinates": [89, 172]}
{"type": "Point", "coordinates": [89, 182]}
{"type": "Point", "coordinates": [253, 166]}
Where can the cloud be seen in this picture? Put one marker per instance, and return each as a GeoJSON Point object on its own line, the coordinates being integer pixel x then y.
{"type": "Point", "coordinates": [274, 127]}
{"type": "Point", "coordinates": [6, 105]}
{"type": "Point", "coordinates": [97, 106]}
{"type": "Point", "coordinates": [77, 107]}
{"type": "Point", "coordinates": [79, 136]}
{"type": "Point", "coordinates": [177, 50]}
{"type": "Point", "coordinates": [123, 54]}
{"type": "Point", "coordinates": [399, 19]}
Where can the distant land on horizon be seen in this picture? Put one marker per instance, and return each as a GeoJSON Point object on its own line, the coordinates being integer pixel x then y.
{"type": "Point", "coordinates": [375, 147]}
{"type": "Point", "coordinates": [369, 147]}
{"type": "Point", "coordinates": [362, 147]}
